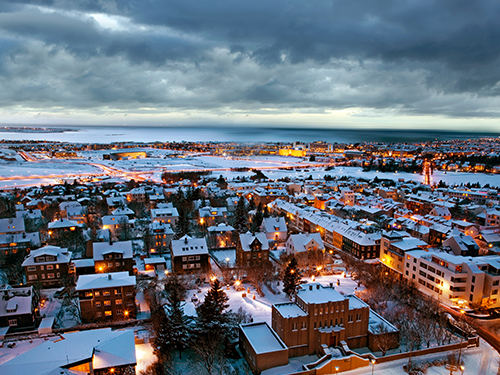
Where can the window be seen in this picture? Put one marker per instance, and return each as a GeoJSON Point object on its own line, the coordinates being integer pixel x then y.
{"type": "Point", "coordinates": [184, 266]}
{"type": "Point", "coordinates": [12, 322]}
{"type": "Point", "coordinates": [32, 277]}
{"type": "Point", "coordinates": [107, 303]}
{"type": "Point", "coordinates": [105, 293]}
{"type": "Point", "coordinates": [184, 259]}
{"type": "Point", "coordinates": [118, 292]}
{"type": "Point", "coordinates": [473, 279]}
{"type": "Point", "coordinates": [88, 294]}
{"type": "Point", "coordinates": [119, 312]}
{"type": "Point", "coordinates": [98, 314]}
{"type": "Point", "coordinates": [349, 319]}
{"type": "Point", "coordinates": [97, 293]}
{"type": "Point", "coordinates": [110, 265]}
{"type": "Point", "coordinates": [303, 325]}
{"type": "Point", "coordinates": [118, 302]}
{"type": "Point", "coordinates": [50, 276]}
{"type": "Point", "coordinates": [294, 326]}
{"type": "Point", "coordinates": [108, 313]}
{"type": "Point", "coordinates": [43, 276]}
{"type": "Point", "coordinates": [117, 264]}
{"type": "Point", "coordinates": [494, 291]}
{"type": "Point", "coordinates": [32, 268]}
{"type": "Point", "coordinates": [50, 267]}
{"type": "Point", "coordinates": [42, 268]}
{"type": "Point", "coordinates": [98, 304]}
{"type": "Point", "coordinates": [495, 283]}
{"type": "Point", "coordinates": [358, 317]}
{"type": "Point", "coordinates": [57, 266]}
{"type": "Point", "coordinates": [341, 321]}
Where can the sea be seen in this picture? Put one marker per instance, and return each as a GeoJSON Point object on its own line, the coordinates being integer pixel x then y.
{"type": "Point", "coordinates": [236, 133]}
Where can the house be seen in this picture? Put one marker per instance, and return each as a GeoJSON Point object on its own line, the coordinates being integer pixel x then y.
{"type": "Point", "coordinates": [221, 236]}
{"type": "Point", "coordinates": [275, 228]}
{"type": "Point", "coordinates": [303, 242]}
{"type": "Point", "coordinates": [113, 223]}
{"type": "Point", "coordinates": [113, 257]}
{"type": "Point", "coordinates": [212, 215]}
{"type": "Point", "coordinates": [18, 306]}
{"type": "Point", "coordinates": [72, 210]}
{"type": "Point", "coordinates": [168, 215]}
{"type": "Point", "coordinates": [48, 265]}
{"type": "Point", "coordinates": [320, 318]}
{"type": "Point", "coordinates": [441, 211]}
{"type": "Point", "coordinates": [14, 225]}
{"type": "Point", "coordinates": [59, 227]}
{"type": "Point", "coordinates": [252, 250]}
{"type": "Point", "coordinates": [394, 245]}
{"type": "Point", "coordinates": [190, 255]}
{"type": "Point", "coordinates": [107, 297]}
{"type": "Point", "coordinates": [159, 265]}
{"type": "Point", "coordinates": [96, 352]}
{"type": "Point", "coordinates": [162, 234]}
{"type": "Point", "coordinates": [462, 244]}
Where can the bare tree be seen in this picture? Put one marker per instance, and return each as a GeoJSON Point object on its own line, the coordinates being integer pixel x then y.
{"type": "Point", "coordinates": [384, 338]}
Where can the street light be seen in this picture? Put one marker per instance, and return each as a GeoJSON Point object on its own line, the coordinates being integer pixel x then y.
{"type": "Point", "coordinates": [373, 364]}
{"type": "Point", "coordinates": [337, 368]}
{"type": "Point", "coordinates": [462, 367]}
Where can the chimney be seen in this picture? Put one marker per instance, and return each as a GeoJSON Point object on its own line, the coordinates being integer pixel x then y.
{"type": "Point", "coordinates": [109, 276]}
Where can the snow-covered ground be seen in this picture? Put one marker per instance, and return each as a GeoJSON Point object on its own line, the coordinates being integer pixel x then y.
{"type": "Point", "coordinates": [50, 171]}
{"type": "Point", "coordinates": [260, 307]}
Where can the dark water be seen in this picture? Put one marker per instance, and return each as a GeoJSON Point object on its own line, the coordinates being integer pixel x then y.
{"type": "Point", "coordinates": [108, 134]}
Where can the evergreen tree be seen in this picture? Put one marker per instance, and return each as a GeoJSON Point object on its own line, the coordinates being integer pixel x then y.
{"type": "Point", "coordinates": [182, 227]}
{"type": "Point", "coordinates": [240, 216]}
{"type": "Point", "coordinates": [251, 204]}
{"type": "Point", "coordinates": [291, 278]}
{"type": "Point", "coordinates": [257, 219]}
{"type": "Point", "coordinates": [177, 324]}
{"type": "Point", "coordinates": [265, 211]}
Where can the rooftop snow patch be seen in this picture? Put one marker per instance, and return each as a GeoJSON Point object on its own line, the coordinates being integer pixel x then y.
{"type": "Point", "coordinates": [262, 338]}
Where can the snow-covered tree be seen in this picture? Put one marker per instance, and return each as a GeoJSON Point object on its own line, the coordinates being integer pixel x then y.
{"type": "Point", "coordinates": [177, 324]}
{"type": "Point", "coordinates": [240, 216]}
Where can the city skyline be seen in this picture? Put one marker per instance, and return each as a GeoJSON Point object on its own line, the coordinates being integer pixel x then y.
{"type": "Point", "coordinates": [431, 65]}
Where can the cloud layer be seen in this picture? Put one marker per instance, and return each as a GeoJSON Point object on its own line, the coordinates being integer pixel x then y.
{"type": "Point", "coordinates": [383, 57]}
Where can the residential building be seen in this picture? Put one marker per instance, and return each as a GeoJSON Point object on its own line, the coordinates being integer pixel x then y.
{"type": "Point", "coordinates": [252, 250]}
{"type": "Point", "coordinates": [303, 242]}
{"type": "Point", "coordinates": [96, 352]}
{"type": "Point", "coordinates": [162, 235]}
{"type": "Point", "coordinates": [211, 216]}
{"type": "Point", "coordinates": [18, 307]}
{"type": "Point", "coordinates": [275, 228]}
{"type": "Point", "coordinates": [168, 215]}
{"type": "Point", "coordinates": [393, 247]}
{"type": "Point", "coordinates": [113, 256]}
{"type": "Point", "coordinates": [190, 255]}
{"type": "Point", "coordinates": [48, 266]}
{"type": "Point", "coordinates": [107, 297]}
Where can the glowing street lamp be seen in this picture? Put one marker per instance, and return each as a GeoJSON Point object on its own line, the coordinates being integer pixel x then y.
{"type": "Point", "coordinates": [373, 364]}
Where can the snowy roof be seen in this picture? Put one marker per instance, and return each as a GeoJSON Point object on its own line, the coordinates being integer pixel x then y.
{"type": "Point", "coordinates": [274, 224]}
{"type": "Point", "coordinates": [14, 224]}
{"type": "Point", "coordinates": [189, 246]}
{"type": "Point", "coordinates": [63, 223]}
{"type": "Point", "coordinates": [114, 219]}
{"type": "Point", "coordinates": [262, 338]}
{"type": "Point", "coordinates": [16, 301]}
{"type": "Point", "coordinates": [317, 293]}
{"type": "Point", "coordinates": [105, 280]}
{"type": "Point", "coordinates": [355, 302]}
{"type": "Point", "coordinates": [62, 255]}
{"type": "Point", "coordinates": [164, 212]}
{"type": "Point", "coordinates": [159, 260]}
{"type": "Point", "coordinates": [301, 241]}
{"type": "Point", "coordinates": [123, 211]}
{"type": "Point", "coordinates": [80, 263]}
{"type": "Point", "coordinates": [289, 310]}
{"type": "Point", "coordinates": [106, 347]}
{"type": "Point", "coordinates": [102, 248]}
{"type": "Point", "coordinates": [222, 227]}
{"type": "Point", "coordinates": [246, 239]}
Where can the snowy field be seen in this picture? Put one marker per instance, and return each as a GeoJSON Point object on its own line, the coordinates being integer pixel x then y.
{"type": "Point", "coordinates": [90, 163]}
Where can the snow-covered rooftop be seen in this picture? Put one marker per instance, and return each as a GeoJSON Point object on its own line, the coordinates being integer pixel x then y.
{"type": "Point", "coordinates": [262, 338]}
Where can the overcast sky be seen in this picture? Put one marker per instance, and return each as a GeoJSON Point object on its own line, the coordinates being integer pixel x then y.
{"type": "Point", "coordinates": [374, 63]}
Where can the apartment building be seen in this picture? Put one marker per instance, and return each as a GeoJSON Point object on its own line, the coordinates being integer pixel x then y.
{"type": "Point", "coordinates": [453, 279]}
{"type": "Point", "coordinates": [394, 245]}
{"type": "Point", "coordinates": [47, 265]}
{"type": "Point", "coordinates": [167, 215]}
{"type": "Point", "coordinates": [107, 297]}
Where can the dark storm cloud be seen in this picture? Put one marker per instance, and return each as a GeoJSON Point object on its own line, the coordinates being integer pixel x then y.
{"type": "Point", "coordinates": [416, 57]}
